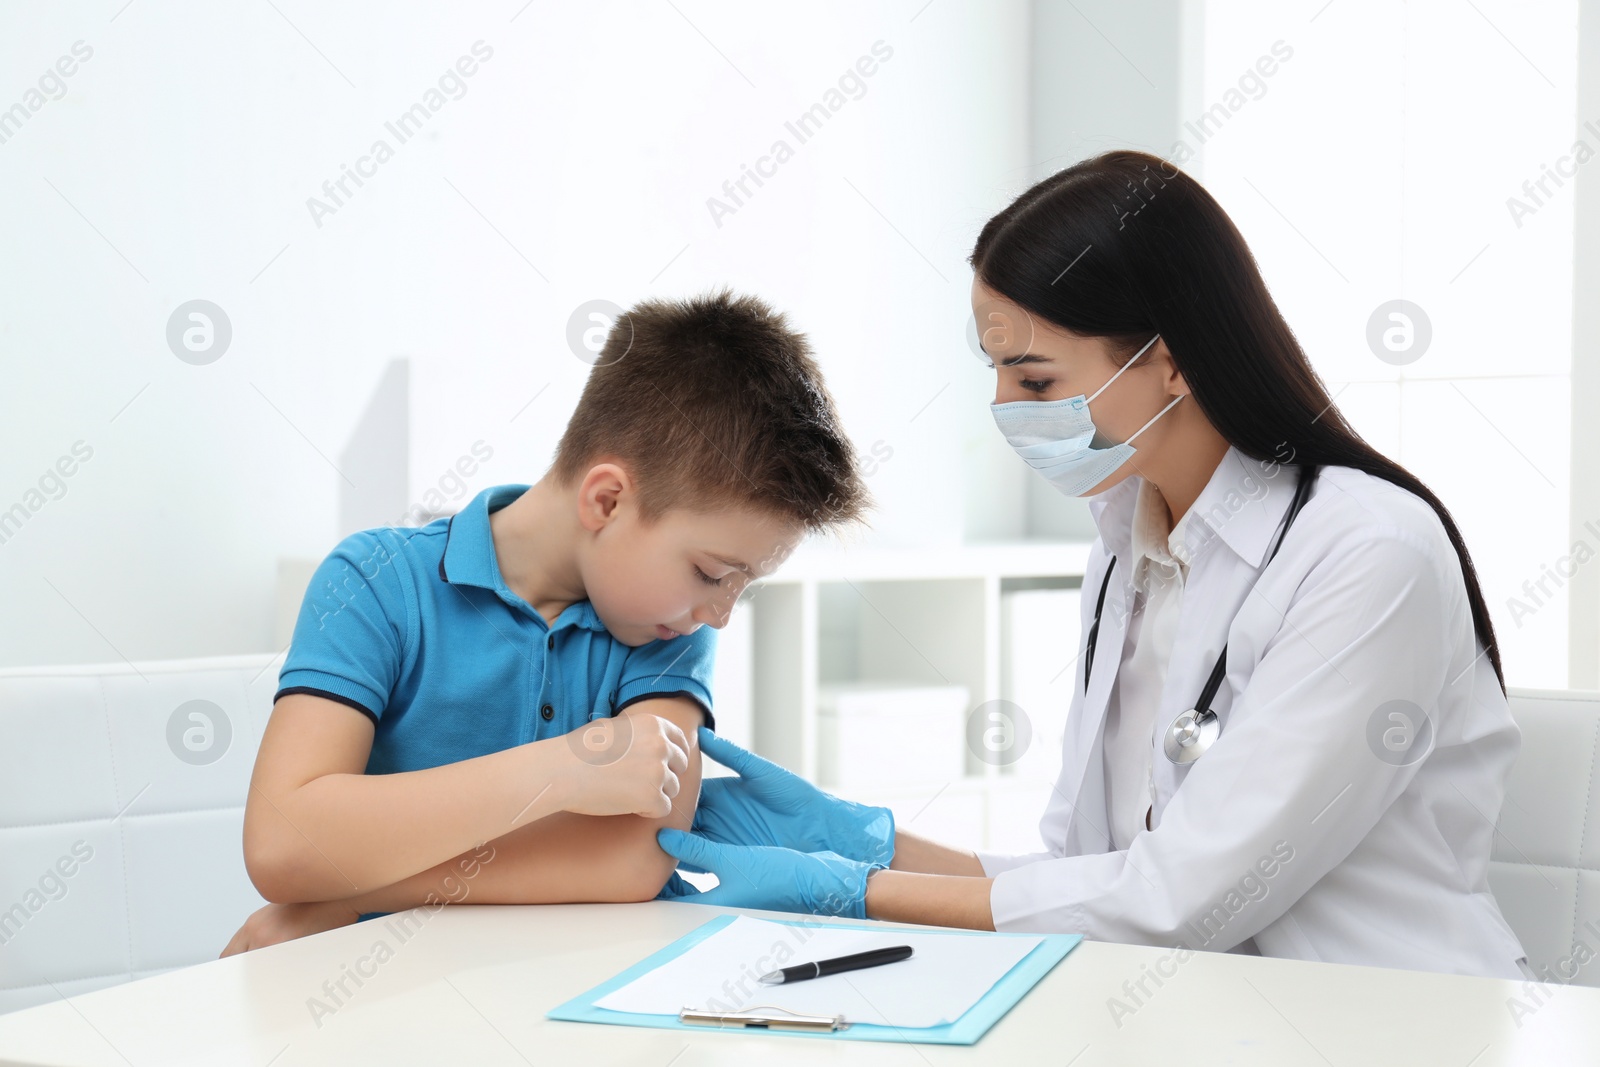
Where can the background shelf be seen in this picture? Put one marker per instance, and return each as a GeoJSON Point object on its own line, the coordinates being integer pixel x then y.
{"type": "Point", "coordinates": [1000, 620]}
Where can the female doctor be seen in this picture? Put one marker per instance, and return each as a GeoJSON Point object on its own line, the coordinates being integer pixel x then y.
{"type": "Point", "coordinates": [1288, 734]}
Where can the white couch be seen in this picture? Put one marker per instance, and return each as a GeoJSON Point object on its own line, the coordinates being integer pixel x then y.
{"type": "Point", "coordinates": [120, 822]}
{"type": "Point", "coordinates": [119, 858]}
{"type": "Point", "coordinates": [1545, 865]}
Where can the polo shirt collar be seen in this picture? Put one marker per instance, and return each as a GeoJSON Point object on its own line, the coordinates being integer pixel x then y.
{"type": "Point", "coordinates": [1242, 505]}
{"type": "Point", "coordinates": [469, 557]}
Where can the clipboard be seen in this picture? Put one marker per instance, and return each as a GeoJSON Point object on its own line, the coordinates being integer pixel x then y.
{"type": "Point", "coordinates": [966, 1030]}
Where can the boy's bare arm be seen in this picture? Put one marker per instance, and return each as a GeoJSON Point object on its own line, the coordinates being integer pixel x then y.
{"type": "Point", "coordinates": [318, 828]}
{"type": "Point", "coordinates": [563, 858]}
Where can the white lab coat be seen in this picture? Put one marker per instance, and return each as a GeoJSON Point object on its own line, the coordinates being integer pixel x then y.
{"type": "Point", "coordinates": [1291, 837]}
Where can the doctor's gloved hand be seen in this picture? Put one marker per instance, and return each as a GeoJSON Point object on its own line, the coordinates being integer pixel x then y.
{"type": "Point", "coordinates": [761, 876]}
{"type": "Point", "coordinates": [768, 805]}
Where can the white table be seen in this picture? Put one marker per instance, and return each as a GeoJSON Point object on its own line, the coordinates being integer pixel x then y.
{"type": "Point", "coordinates": [471, 986]}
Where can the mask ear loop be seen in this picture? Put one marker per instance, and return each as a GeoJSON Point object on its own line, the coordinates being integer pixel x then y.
{"type": "Point", "coordinates": [1158, 414]}
{"type": "Point", "coordinates": [1117, 375]}
{"type": "Point", "coordinates": [1124, 367]}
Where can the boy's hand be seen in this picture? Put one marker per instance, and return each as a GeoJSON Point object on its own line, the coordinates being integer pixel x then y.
{"type": "Point", "coordinates": [285, 922]}
{"type": "Point", "coordinates": [625, 765]}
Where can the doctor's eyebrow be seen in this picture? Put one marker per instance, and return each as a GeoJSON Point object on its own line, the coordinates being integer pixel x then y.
{"type": "Point", "coordinates": [1026, 357]}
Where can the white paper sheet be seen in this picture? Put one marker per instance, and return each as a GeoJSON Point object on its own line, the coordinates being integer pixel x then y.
{"type": "Point", "coordinates": [946, 975]}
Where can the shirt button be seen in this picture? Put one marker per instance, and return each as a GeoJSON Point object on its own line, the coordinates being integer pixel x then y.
{"type": "Point", "coordinates": [547, 713]}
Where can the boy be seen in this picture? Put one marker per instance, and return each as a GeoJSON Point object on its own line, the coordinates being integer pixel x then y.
{"type": "Point", "coordinates": [502, 706]}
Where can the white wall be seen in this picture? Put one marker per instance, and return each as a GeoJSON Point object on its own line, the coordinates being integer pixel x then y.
{"type": "Point", "coordinates": [1104, 75]}
{"type": "Point", "coordinates": [1378, 164]}
{"type": "Point", "coordinates": [178, 162]}
{"type": "Point", "coordinates": [1375, 163]}
{"type": "Point", "coordinates": [178, 165]}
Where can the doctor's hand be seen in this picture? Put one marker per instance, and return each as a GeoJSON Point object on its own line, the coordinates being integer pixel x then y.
{"type": "Point", "coordinates": [760, 876]}
{"type": "Point", "coordinates": [767, 805]}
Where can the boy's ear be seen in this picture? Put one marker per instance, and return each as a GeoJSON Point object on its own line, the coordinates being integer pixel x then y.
{"type": "Point", "coordinates": [600, 493]}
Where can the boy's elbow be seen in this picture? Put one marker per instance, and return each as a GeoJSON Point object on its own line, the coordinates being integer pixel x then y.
{"type": "Point", "coordinates": [644, 871]}
{"type": "Point", "coordinates": [652, 875]}
{"type": "Point", "coordinates": [275, 868]}
{"type": "Point", "coordinates": [267, 875]}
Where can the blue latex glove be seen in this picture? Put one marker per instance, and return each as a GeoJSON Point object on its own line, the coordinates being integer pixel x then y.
{"type": "Point", "coordinates": [767, 805]}
{"type": "Point", "coordinates": [761, 876]}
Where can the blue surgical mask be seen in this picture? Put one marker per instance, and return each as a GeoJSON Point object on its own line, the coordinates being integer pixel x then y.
{"type": "Point", "coordinates": [1057, 437]}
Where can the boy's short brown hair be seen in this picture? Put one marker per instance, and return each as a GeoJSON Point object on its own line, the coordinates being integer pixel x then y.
{"type": "Point", "coordinates": [714, 402]}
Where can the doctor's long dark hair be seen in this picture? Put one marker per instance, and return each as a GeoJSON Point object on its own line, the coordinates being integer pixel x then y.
{"type": "Point", "coordinates": [1125, 245]}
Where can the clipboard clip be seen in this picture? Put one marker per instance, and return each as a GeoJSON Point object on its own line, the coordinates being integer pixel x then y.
{"type": "Point", "coordinates": [762, 1017]}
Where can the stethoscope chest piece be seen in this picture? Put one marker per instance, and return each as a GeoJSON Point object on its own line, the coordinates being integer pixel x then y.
{"type": "Point", "coordinates": [1190, 735]}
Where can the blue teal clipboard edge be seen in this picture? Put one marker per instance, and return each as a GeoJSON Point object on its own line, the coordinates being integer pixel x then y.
{"type": "Point", "coordinates": [973, 1024]}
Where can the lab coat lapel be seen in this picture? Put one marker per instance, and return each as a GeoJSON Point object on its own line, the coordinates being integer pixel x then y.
{"type": "Point", "coordinates": [1228, 536]}
{"type": "Point", "coordinates": [1083, 761]}
{"type": "Point", "coordinates": [1213, 591]}
{"type": "Point", "coordinates": [1076, 815]}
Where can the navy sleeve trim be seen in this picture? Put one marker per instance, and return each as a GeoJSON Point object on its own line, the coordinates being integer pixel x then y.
{"type": "Point", "coordinates": [324, 694]}
{"type": "Point", "coordinates": [705, 712]}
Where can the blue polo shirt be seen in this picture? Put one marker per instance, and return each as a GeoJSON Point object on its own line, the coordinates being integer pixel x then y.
{"type": "Point", "coordinates": [417, 628]}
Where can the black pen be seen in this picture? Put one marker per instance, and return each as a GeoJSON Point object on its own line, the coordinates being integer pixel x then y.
{"type": "Point", "coordinates": [801, 971]}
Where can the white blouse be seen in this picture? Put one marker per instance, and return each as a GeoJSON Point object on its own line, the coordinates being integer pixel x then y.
{"type": "Point", "coordinates": [1159, 567]}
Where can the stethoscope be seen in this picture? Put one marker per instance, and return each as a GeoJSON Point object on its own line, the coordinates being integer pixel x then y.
{"type": "Point", "coordinates": [1194, 731]}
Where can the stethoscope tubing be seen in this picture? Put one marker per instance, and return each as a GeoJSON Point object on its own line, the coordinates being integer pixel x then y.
{"type": "Point", "coordinates": [1202, 707]}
